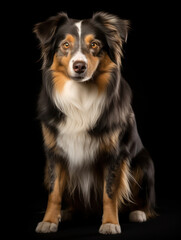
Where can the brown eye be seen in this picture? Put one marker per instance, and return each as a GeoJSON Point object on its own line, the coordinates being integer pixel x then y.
{"type": "Point", "coordinates": [66, 45]}
{"type": "Point", "coordinates": [94, 45]}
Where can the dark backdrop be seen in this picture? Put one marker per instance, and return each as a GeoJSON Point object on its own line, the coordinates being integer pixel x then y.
{"type": "Point", "coordinates": [146, 66]}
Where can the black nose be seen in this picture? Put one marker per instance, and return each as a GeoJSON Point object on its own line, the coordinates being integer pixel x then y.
{"type": "Point", "coordinates": [79, 66]}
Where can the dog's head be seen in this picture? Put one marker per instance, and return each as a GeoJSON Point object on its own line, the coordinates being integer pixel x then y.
{"type": "Point", "coordinates": [79, 49]}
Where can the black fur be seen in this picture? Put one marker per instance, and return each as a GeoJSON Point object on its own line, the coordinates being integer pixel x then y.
{"type": "Point", "coordinates": [117, 115]}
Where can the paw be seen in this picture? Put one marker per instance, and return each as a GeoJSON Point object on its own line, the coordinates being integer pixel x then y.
{"type": "Point", "coordinates": [137, 216]}
{"type": "Point", "coordinates": [46, 227]}
{"type": "Point", "coordinates": [109, 228]}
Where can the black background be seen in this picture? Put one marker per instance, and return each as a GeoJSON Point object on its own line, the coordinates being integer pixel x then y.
{"type": "Point", "coordinates": [149, 67]}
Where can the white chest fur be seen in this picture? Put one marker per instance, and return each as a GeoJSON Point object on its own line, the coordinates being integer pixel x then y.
{"type": "Point", "coordinates": [82, 104]}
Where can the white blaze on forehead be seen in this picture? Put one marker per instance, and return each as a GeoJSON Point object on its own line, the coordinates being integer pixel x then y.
{"type": "Point", "coordinates": [78, 25]}
{"type": "Point", "coordinates": [79, 56]}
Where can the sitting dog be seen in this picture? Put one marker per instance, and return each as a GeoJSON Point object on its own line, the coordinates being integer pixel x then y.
{"type": "Point", "coordinates": [92, 146]}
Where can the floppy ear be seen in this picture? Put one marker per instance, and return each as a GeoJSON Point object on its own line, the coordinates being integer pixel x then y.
{"type": "Point", "coordinates": [116, 32]}
{"type": "Point", "coordinates": [113, 23]}
{"type": "Point", "coordinates": [124, 26]}
{"type": "Point", "coordinates": [46, 30]}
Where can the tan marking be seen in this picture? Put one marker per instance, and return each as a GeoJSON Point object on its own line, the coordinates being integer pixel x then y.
{"type": "Point", "coordinates": [92, 63]}
{"type": "Point", "coordinates": [65, 62]}
{"type": "Point", "coordinates": [124, 183]}
{"type": "Point", "coordinates": [104, 65]}
{"type": "Point", "coordinates": [109, 142]}
{"type": "Point", "coordinates": [70, 38]}
{"type": "Point", "coordinates": [110, 208]}
{"type": "Point", "coordinates": [121, 187]}
{"type": "Point", "coordinates": [49, 137]}
{"type": "Point", "coordinates": [59, 71]}
{"type": "Point", "coordinates": [60, 65]}
{"type": "Point", "coordinates": [138, 176]}
{"type": "Point", "coordinates": [53, 211]}
{"type": "Point", "coordinates": [88, 39]}
{"type": "Point", "coordinates": [104, 72]}
{"type": "Point", "coordinates": [120, 191]}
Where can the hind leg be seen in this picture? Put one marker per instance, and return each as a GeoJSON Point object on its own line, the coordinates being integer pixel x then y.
{"type": "Point", "coordinates": [137, 216]}
{"type": "Point", "coordinates": [142, 188]}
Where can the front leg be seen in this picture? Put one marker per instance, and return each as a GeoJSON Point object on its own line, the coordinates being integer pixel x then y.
{"type": "Point", "coordinates": [110, 221]}
{"type": "Point", "coordinates": [53, 212]}
{"type": "Point", "coordinates": [116, 190]}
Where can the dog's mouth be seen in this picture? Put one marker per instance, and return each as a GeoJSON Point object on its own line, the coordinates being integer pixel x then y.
{"type": "Point", "coordinates": [81, 71]}
{"type": "Point", "coordinates": [83, 77]}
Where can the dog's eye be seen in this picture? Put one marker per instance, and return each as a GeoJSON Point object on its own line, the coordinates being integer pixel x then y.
{"type": "Point", "coordinates": [66, 45]}
{"type": "Point", "coordinates": [94, 45]}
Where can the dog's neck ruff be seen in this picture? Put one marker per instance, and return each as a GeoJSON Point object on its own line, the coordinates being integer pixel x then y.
{"type": "Point", "coordinates": [82, 105]}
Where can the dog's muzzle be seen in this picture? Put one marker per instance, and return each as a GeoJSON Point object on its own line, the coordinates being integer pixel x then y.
{"type": "Point", "coordinates": [79, 67]}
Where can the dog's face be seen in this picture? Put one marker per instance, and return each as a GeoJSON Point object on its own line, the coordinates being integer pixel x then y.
{"type": "Point", "coordinates": [77, 49]}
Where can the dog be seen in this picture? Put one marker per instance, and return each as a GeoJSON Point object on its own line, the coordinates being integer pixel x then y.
{"type": "Point", "coordinates": [92, 146]}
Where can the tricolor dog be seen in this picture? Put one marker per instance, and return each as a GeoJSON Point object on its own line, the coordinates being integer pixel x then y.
{"type": "Point", "coordinates": [94, 155]}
